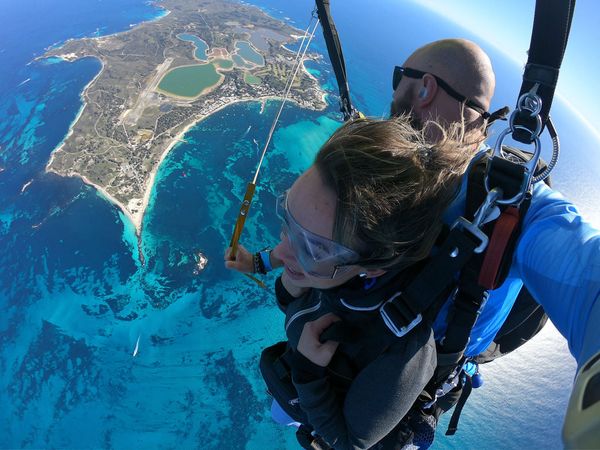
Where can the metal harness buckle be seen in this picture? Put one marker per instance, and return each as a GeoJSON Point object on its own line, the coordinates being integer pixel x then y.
{"type": "Point", "coordinates": [389, 322]}
{"type": "Point", "coordinates": [528, 102]}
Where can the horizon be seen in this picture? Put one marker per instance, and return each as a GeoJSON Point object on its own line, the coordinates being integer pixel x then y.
{"type": "Point", "coordinates": [476, 17]}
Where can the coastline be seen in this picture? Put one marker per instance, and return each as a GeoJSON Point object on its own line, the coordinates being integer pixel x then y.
{"type": "Point", "coordinates": [157, 4]}
{"type": "Point", "coordinates": [79, 113]}
{"type": "Point", "coordinates": [138, 221]}
{"type": "Point", "coordinates": [137, 216]}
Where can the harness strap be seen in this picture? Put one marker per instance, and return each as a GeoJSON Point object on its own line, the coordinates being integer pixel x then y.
{"type": "Point", "coordinates": [483, 272]}
{"type": "Point", "coordinates": [403, 311]}
{"type": "Point", "coordinates": [469, 299]}
{"type": "Point", "coordinates": [504, 229]}
{"type": "Point", "coordinates": [507, 175]}
{"type": "Point", "coordinates": [551, 26]}
{"type": "Point", "coordinates": [466, 391]}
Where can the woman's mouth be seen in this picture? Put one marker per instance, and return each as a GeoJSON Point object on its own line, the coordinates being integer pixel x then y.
{"type": "Point", "coordinates": [293, 274]}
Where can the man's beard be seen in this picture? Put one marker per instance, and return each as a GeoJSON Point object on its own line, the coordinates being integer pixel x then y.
{"type": "Point", "coordinates": [404, 107]}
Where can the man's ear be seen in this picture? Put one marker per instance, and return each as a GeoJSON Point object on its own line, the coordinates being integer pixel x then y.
{"type": "Point", "coordinates": [428, 90]}
{"type": "Point", "coordinates": [373, 273]}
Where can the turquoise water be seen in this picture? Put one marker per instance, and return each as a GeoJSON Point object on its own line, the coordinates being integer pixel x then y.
{"type": "Point", "coordinates": [200, 45]}
{"type": "Point", "coordinates": [75, 299]}
{"type": "Point", "coordinates": [246, 51]}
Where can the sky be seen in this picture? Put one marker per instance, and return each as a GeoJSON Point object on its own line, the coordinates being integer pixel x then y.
{"type": "Point", "coordinates": [507, 26]}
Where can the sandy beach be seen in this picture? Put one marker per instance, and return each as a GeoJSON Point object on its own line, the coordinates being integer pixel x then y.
{"type": "Point", "coordinates": [79, 113]}
{"type": "Point", "coordinates": [138, 217]}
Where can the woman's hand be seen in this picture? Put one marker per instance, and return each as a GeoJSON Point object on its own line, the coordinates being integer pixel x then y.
{"type": "Point", "coordinates": [309, 344]}
{"type": "Point", "coordinates": [243, 260]}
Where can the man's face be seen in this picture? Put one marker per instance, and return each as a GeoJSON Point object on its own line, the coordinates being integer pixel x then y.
{"type": "Point", "coordinates": [403, 104]}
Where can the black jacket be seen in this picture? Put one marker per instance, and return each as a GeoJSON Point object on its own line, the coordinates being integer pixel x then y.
{"type": "Point", "coordinates": [373, 378]}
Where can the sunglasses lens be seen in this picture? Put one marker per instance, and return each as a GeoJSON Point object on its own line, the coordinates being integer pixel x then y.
{"type": "Point", "coordinates": [396, 78]}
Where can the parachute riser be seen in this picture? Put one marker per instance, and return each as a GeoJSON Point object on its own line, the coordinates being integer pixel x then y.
{"type": "Point", "coordinates": [245, 206]}
{"type": "Point", "coordinates": [239, 227]}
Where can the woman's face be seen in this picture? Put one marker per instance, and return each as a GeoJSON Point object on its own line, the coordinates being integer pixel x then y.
{"type": "Point", "coordinates": [312, 205]}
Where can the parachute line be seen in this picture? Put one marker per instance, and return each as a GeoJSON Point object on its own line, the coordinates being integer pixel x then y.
{"type": "Point", "coordinates": [243, 214]}
{"type": "Point", "coordinates": [298, 63]}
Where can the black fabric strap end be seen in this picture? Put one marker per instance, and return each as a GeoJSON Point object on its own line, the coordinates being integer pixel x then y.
{"type": "Point", "coordinates": [499, 114]}
{"type": "Point", "coordinates": [466, 391]}
{"type": "Point", "coordinates": [539, 73]}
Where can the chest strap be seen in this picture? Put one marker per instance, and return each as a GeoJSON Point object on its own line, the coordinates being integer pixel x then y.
{"type": "Point", "coordinates": [403, 311]}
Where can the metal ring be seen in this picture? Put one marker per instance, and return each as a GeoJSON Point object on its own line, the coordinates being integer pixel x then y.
{"type": "Point", "coordinates": [530, 102]}
{"type": "Point", "coordinates": [513, 127]}
{"type": "Point", "coordinates": [529, 166]}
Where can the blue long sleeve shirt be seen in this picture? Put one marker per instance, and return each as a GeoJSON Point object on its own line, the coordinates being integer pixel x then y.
{"type": "Point", "coordinates": [558, 259]}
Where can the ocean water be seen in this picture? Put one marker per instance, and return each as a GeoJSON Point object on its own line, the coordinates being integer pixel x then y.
{"type": "Point", "coordinates": [76, 301]}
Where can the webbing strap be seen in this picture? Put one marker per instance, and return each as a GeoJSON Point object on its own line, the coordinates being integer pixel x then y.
{"type": "Point", "coordinates": [507, 175]}
{"type": "Point", "coordinates": [453, 255]}
{"type": "Point", "coordinates": [401, 311]}
{"type": "Point", "coordinates": [453, 424]}
{"type": "Point", "coordinates": [334, 49]}
{"type": "Point", "coordinates": [483, 272]}
{"type": "Point", "coordinates": [504, 229]}
{"type": "Point", "coordinates": [239, 226]}
{"type": "Point", "coordinates": [468, 302]}
{"type": "Point", "coordinates": [551, 27]}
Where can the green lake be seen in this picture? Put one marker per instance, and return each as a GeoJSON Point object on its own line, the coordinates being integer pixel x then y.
{"type": "Point", "coordinates": [246, 51]}
{"type": "Point", "coordinates": [201, 46]}
{"type": "Point", "coordinates": [251, 79]}
{"type": "Point", "coordinates": [240, 62]}
{"type": "Point", "coordinates": [223, 64]}
{"type": "Point", "coordinates": [189, 81]}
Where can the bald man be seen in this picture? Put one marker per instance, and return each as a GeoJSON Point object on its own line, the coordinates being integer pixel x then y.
{"type": "Point", "coordinates": [446, 81]}
{"type": "Point", "coordinates": [452, 80]}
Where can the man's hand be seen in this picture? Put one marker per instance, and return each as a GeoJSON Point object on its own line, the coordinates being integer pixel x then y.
{"type": "Point", "coordinates": [243, 260]}
{"type": "Point", "coordinates": [309, 344]}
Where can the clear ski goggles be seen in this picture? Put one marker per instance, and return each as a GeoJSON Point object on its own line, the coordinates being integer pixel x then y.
{"type": "Point", "coordinates": [319, 257]}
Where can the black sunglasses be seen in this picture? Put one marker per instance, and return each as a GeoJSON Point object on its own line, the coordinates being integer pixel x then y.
{"type": "Point", "coordinates": [399, 72]}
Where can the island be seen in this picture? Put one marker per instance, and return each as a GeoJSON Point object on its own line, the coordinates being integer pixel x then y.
{"type": "Point", "coordinates": [162, 77]}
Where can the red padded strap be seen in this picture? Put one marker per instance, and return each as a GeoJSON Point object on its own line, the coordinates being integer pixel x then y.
{"type": "Point", "coordinates": [503, 230]}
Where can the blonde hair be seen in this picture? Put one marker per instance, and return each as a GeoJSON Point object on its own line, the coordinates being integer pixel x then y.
{"type": "Point", "coordinates": [393, 186]}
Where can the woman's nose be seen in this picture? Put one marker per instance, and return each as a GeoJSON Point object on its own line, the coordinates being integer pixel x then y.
{"type": "Point", "coordinates": [284, 250]}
